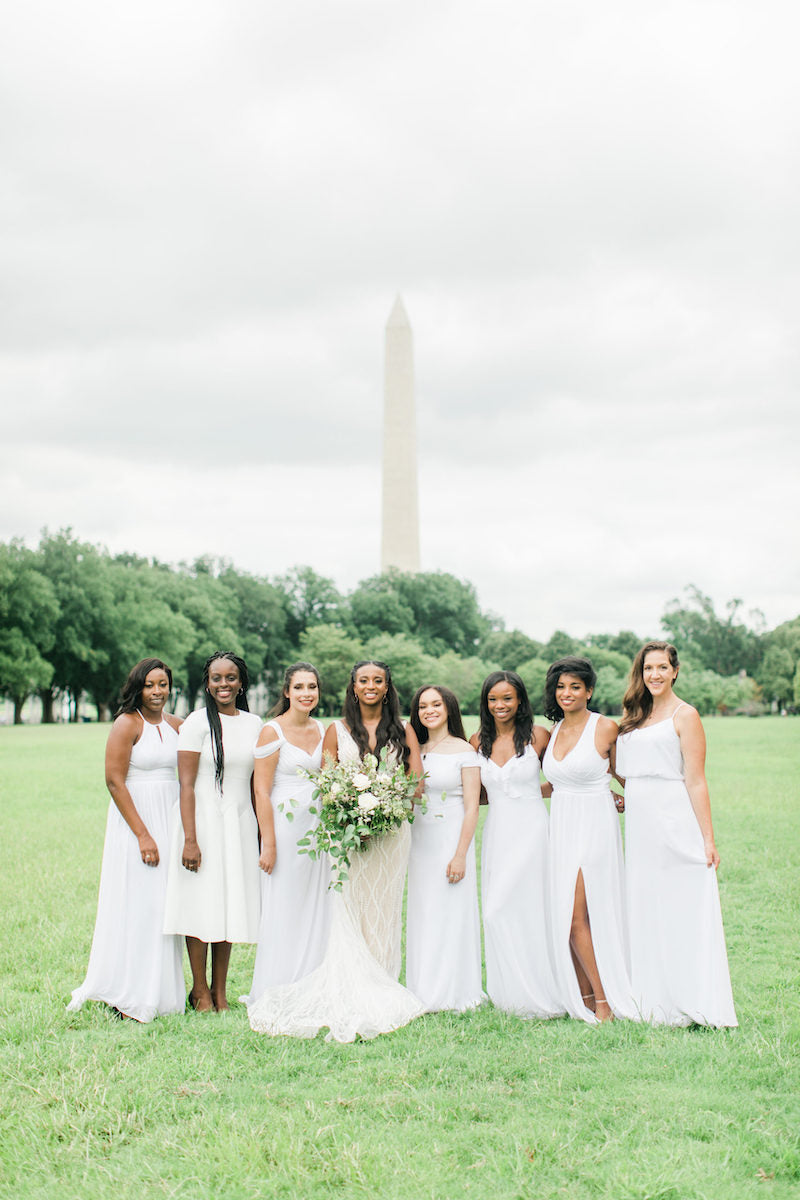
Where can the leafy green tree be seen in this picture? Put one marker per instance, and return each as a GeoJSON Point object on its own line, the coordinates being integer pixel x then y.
{"type": "Point", "coordinates": [625, 643]}
{"type": "Point", "coordinates": [533, 673]}
{"type": "Point", "coordinates": [464, 676]}
{"type": "Point", "coordinates": [262, 624]}
{"type": "Point", "coordinates": [776, 675]}
{"type": "Point", "coordinates": [559, 645]}
{"type": "Point", "coordinates": [410, 665]}
{"type": "Point", "coordinates": [608, 691]}
{"type": "Point", "coordinates": [376, 606]}
{"type": "Point", "coordinates": [28, 615]}
{"type": "Point", "coordinates": [724, 645]}
{"type": "Point", "coordinates": [212, 609]}
{"type": "Point", "coordinates": [796, 687]}
{"type": "Point", "coordinates": [311, 600]}
{"type": "Point", "coordinates": [446, 611]}
{"type": "Point", "coordinates": [332, 651]}
{"type": "Point", "coordinates": [509, 647]}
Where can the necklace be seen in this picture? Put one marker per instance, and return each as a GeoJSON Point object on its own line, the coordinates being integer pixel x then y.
{"type": "Point", "coordinates": [430, 745]}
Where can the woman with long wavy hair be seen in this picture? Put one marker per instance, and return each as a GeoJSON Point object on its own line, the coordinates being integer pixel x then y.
{"type": "Point", "coordinates": [514, 861]}
{"type": "Point", "coordinates": [213, 889]}
{"type": "Point", "coordinates": [679, 964]}
{"type": "Point", "coordinates": [355, 990]}
{"type": "Point", "coordinates": [135, 967]}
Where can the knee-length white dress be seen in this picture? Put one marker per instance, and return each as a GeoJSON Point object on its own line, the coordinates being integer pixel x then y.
{"type": "Point", "coordinates": [133, 965]}
{"type": "Point", "coordinates": [220, 902]}
{"type": "Point", "coordinates": [679, 963]}
{"type": "Point", "coordinates": [295, 901]}
{"type": "Point", "coordinates": [354, 992]}
{"type": "Point", "coordinates": [515, 890]}
{"type": "Point", "coordinates": [443, 931]}
{"type": "Point", "coordinates": [585, 836]}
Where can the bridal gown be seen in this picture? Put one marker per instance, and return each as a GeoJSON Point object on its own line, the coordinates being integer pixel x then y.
{"type": "Point", "coordinates": [295, 901]}
{"type": "Point", "coordinates": [354, 992]}
{"type": "Point", "coordinates": [515, 889]}
{"type": "Point", "coordinates": [133, 965]}
{"type": "Point", "coordinates": [679, 964]}
{"type": "Point", "coordinates": [443, 930]}
{"type": "Point", "coordinates": [585, 836]}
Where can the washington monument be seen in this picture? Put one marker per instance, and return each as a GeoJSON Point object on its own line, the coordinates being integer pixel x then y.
{"type": "Point", "coordinates": [400, 512]}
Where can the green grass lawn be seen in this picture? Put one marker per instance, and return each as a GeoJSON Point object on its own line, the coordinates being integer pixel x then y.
{"type": "Point", "coordinates": [482, 1104]}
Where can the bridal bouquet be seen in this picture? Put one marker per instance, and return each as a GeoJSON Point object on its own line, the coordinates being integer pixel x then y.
{"type": "Point", "coordinates": [356, 801]}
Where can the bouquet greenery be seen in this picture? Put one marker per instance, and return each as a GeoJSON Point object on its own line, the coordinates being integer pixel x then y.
{"type": "Point", "coordinates": [356, 801]}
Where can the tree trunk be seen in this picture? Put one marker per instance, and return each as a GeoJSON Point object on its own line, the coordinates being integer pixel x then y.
{"type": "Point", "coordinates": [48, 699]}
{"type": "Point", "coordinates": [19, 704]}
{"type": "Point", "coordinates": [102, 711]}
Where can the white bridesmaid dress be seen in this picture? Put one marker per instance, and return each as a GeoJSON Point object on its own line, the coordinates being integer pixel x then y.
{"type": "Point", "coordinates": [443, 931]}
{"type": "Point", "coordinates": [515, 891]}
{"type": "Point", "coordinates": [679, 963]}
{"type": "Point", "coordinates": [354, 992]}
{"type": "Point", "coordinates": [220, 902]}
{"type": "Point", "coordinates": [133, 965]}
{"type": "Point", "coordinates": [585, 836]}
{"type": "Point", "coordinates": [295, 901]}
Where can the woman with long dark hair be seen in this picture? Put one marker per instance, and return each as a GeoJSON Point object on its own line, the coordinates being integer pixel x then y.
{"type": "Point", "coordinates": [213, 890]}
{"type": "Point", "coordinates": [679, 964]}
{"type": "Point", "coordinates": [443, 929]}
{"type": "Point", "coordinates": [355, 990]}
{"type": "Point", "coordinates": [514, 864]}
{"type": "Point", "coordinates": [133, 966]}
{"type": "Point", "coordinates": [295, 901]}
{"type": "Point", "coordinates": [586, 882]}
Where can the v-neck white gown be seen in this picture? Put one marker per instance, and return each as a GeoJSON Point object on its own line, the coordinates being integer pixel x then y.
{"type": "Point", "coordinates": [515, 891]}
{"type": "Point", "coordinates": [585, 836]}
{"type": "Point", "coordinates": [354, 991]}
{"type": "Point", "coordinates": [295, 901]}
{"type": "Point", "coordinates": [679, 964]}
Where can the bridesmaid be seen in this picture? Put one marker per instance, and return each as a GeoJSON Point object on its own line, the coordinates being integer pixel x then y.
{"type": "Point", "coordinates": [443, 930]}
{"type": "Point", "coordinates": [586, 885]}
{"type": "Point", "coordinates": [295, 903]}
{"type": "Point", "coordinates": [133, 966]}
{"type": "Point", "coordinates": [514, 866]}
{"type": "Point", "coordinates": [213, 887]}
{"type": "Point", "coordinates": [679, 964]}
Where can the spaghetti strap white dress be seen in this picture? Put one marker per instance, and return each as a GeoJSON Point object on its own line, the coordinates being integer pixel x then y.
{"type": "Point", "coordinates": [133, 965]}
{"type": "Point", "coordinates": [679, 963]}
{"type": "Point", "coordinates": [585, 836]}
{"type": "Point", "coordinates": [295, 901]}
{"type": "Point", "coordinates": [354, 992]}
{"type": "Point", "coordinates": [220, 902]}
{"type": "Point", "coordinates": [515, 890]}
{"type": "Point", "coordinates": [443, 930]}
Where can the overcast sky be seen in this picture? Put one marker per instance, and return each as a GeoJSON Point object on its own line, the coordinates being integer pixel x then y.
{"type": "Point", "coordinates": [590, 211]}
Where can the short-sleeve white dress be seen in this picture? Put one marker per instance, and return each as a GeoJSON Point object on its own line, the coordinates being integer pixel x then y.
{"type": "Point", "coordinates": [220, 902]}
{"type": "Point", "coordinates": [295, 901]}
{"type": "Point", "coordinates": [133, 965]}
{"type": "Point", "coordinates": [443, 931]}
{"type": "Point", "coordinates": [679, 963]}
{"type": "Point", "coordinates": [515, 891]}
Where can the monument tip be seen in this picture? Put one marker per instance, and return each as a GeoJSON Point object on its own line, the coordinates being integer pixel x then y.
{"type": "Point", "coordinates": [398, 315]}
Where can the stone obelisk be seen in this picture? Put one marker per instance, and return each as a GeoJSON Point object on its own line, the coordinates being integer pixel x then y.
{"type": "Point", "coordinates": [400, 528]}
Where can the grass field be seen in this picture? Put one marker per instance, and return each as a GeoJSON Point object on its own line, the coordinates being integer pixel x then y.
{"type": "Point", "coordinates": [481, 1105]}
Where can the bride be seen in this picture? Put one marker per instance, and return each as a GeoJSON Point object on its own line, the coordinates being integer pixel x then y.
{"type": "Point", "coordinates": [355, 990]}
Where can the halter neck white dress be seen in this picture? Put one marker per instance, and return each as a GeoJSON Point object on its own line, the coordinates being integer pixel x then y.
{"type": "Point", "coordinates": [220, 902]}
{"type": "Point", "coordinates": [295, 901]}
{"type": "Point", "coordinates": [354, 991]}
{"type": "Point", "coordinates": [515, 890]}
{"type": "Point", "coordinates": [443, 929]}
{"type": "Point", "coordinates": [585, 836]}
{"type": "Point", "coordinates": [679, 964]}
{"type": "Point", "coordinates": [133, 965]}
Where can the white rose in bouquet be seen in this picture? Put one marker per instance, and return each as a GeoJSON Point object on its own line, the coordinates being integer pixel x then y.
{"type": "Point", "coordinates": [361, 781]}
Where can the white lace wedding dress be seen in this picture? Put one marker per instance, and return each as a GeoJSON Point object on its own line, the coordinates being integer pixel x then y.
{"type": "Point", "coordinates": [354, 992]}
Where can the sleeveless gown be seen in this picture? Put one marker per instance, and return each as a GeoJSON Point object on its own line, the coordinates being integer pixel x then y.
{"type": "Point", "coordinates": [443, 930]}
{"type": "Point", "coordinates": [354, 991]}
{"type": "Point", "coordinates": [679, 964]}
{"type": "Point", "coordinates": [585, 836]}
{"type": "Point", "coordinates": [295, 901]}
{"type": "Point", "coordinates": [133, 965]}
{"type": "Point", "coordinates": [515, 890]}
{"type": "Point", "coordinates": [220, 902]}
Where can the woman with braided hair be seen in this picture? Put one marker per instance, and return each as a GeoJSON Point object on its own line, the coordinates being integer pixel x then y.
{"type": "Point", "coordinates": [213, 888]}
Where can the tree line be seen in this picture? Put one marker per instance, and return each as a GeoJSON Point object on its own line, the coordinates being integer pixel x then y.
{"type": "Point", "coordinates": [74, 619]}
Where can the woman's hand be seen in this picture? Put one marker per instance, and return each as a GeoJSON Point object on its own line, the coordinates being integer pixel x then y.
{"type": "Point", "coordinates": [619, 801]}
{"type": "Point", "coordinates": [191, 857]}
{"type": "Point", "coordinates": [711, 852]}
{"type": "Point", "coordinates": [148, 849]}
{"type": "Point", "coordinates": [269, 853]}
{"type": "Point", "coordinates": [456, 868]}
